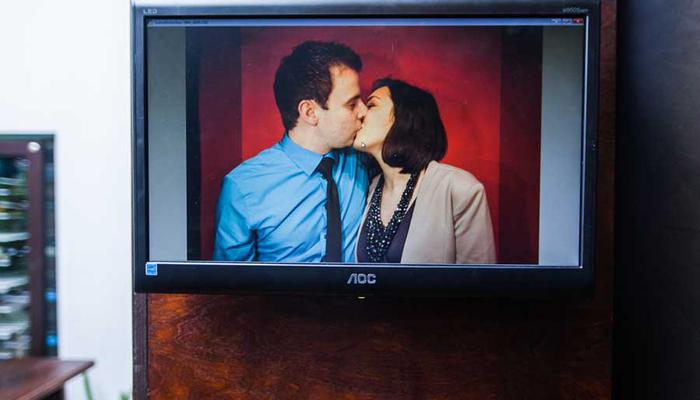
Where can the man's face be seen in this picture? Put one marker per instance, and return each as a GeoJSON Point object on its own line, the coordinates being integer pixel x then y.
{"type": "Point", "coordinates": [344, 112]}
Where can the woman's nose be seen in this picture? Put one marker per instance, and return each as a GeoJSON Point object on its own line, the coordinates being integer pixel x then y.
{"type": "Point", "coordinates": [362, 110]}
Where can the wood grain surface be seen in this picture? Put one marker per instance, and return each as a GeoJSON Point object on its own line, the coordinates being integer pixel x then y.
{"type": "Point", "coordinates": [282, 347]}
{"type": "Point", "coordinates": [36, 377]}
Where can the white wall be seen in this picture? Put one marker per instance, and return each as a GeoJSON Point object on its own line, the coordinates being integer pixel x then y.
{"type": "Point", "coordinates": [64, 67]}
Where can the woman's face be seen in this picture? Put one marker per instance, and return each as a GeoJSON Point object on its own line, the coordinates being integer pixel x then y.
{"type": "Point", "coordinates": [377, 122]}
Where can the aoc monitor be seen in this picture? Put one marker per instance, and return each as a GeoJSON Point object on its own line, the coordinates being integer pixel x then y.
{"type": "Point", "coordinates": [410, 148]}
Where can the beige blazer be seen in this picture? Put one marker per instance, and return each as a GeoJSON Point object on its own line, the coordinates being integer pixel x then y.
{"type": "Point", "coordinates": [451, 223]}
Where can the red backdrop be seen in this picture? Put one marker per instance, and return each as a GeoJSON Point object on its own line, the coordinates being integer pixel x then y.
{"type": "Point", "coordinates": [493, 129]}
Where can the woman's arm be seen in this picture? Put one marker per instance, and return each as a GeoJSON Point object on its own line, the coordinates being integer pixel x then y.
{"type": "Point", "coordinates": [474, 242]}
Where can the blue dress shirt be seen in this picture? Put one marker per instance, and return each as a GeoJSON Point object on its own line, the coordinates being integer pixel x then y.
{"type": "Point", "coordinates": [272, 207]}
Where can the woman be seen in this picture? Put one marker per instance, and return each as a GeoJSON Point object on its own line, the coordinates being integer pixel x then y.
{"type": "Point", "coordinates": [418, 210]}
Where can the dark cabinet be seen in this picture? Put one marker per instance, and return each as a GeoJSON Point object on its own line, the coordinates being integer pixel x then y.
{"type": "Point", "coordinates": [27, 247]}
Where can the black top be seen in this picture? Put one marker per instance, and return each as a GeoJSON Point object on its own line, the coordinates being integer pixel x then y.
{"type": "Point", "coordinates": [393, 255]}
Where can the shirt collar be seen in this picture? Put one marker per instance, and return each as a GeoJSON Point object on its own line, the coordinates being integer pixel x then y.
{"type": "Point", "coordinates": [305, 159]}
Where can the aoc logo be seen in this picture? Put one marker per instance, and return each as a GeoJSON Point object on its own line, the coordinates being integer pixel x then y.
{"type": "Point", "coordinates": [362, 279]}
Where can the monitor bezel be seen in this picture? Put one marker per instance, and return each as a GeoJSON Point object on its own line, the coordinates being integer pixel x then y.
{"type": "Point", "coordinates": [502, 280]}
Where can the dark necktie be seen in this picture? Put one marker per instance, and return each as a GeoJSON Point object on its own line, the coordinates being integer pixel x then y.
{"type": "Point", "coordinates": [333, 234]}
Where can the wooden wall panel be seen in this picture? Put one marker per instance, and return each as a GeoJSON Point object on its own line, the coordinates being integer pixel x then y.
{"type": "Point", "coordinates": [281, 347]}
{"type": "Point", "coordinates": [314, 347]}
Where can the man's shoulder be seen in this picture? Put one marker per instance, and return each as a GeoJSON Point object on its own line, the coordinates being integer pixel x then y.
{"type": "Point", "coordinates": [268, 162]}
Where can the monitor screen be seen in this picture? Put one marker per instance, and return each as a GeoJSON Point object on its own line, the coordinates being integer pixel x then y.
{"type": "Point", "coordinates": [279, 141]}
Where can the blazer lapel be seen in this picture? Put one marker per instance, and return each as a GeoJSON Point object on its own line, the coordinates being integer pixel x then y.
{"type": "Point", "coordinates": [419, 210]}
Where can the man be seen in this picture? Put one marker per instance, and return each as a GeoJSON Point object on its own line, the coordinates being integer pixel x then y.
{"type": "Point", "coordinates": [302, 199]}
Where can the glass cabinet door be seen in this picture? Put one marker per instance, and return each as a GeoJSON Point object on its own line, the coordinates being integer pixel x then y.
{"type": "Point", "coordinates": [27, 311]}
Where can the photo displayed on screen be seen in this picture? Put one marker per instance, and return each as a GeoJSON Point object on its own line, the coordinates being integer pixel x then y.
{"type": "Point", "coordinates": [426, 141]}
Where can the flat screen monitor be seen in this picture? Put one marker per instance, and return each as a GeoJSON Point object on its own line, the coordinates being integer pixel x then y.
{"type": "Point", "coordinates": [365, 148]}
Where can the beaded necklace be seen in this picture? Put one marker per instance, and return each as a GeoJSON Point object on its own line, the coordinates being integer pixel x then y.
{"type": "Point", "coordinates": [379, 237]}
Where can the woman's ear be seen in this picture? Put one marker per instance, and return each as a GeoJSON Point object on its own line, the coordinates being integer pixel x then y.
{"type": "Point", "coordinates": [307, 112]}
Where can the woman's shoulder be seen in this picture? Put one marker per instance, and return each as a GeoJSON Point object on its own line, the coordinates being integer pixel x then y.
{"type": "Point", "coordinates": [451, 175]}
{"type": "Point", "coordinates": [459, 185]}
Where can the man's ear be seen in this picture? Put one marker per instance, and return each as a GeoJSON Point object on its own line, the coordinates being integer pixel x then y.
{"type": "Point", "coordinates": [307, 112]}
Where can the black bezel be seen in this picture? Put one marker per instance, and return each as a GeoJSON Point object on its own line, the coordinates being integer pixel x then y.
{"type": "Point", "coordinates": [390, 280]}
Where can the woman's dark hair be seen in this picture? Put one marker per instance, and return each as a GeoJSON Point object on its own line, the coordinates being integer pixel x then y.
{"type": "Point", "coordinates": [417, 135]}
{"type": "Point", "coordinates": [305, 75]}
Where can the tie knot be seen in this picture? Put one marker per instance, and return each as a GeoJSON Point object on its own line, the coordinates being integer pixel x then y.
{"type": "Point", "coordinates": [325, 167]}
